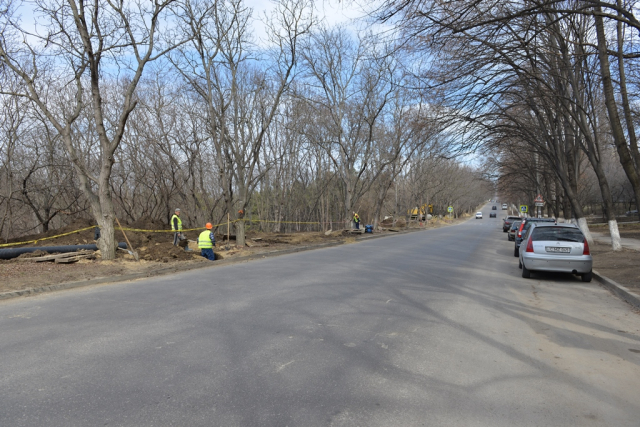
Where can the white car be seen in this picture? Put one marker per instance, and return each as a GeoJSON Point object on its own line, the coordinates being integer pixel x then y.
{"type": "Point", "coordinates": [478, 215]}
{"type": "Point", "coordinates": [504, 206]}
{"type": "Point", "coordinates": [558, 248]}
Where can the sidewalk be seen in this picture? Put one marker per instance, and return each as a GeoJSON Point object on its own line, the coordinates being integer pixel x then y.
{"type": "Point", "coordinates": [626, 242]}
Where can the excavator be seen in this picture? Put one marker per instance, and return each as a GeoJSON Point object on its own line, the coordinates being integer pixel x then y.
{"type": "Point", "coordinates": [414, 212]}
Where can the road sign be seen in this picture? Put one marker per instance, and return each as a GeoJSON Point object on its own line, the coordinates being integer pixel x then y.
{"type": "Point", "coordinates": [538, 199]}
{"type": "Point", "coordinates": [539, 204]}
{"type": "Point", "coordinates": [450, 209]}
{"type": "Point", "coordinates": [524, 208]}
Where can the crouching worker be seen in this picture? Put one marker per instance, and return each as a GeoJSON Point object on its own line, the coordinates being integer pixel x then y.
{"type": "Point", "coordinates": [206, 242]}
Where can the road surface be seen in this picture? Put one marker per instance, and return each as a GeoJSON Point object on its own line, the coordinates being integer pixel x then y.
{"type": "Point", "coordinates": [433, 328]}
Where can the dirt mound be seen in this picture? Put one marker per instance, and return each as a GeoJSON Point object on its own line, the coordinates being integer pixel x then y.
{"type": "Point", "coordinates": [75, 225]}
{"type": "Point", "coordinates": [148, 223]}
{"type": "Point", "coordinates": [136, 238]}
{"type": "Point", "coordinates": [166, 252]}
{"type": "Point", "coordinates": [33, 254]}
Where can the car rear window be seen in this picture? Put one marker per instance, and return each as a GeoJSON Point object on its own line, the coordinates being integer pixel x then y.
{"type": "Point", "coordinates": [562, 234]}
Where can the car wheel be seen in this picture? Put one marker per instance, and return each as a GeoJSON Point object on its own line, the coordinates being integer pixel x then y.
{"type": "Point", "coordinates": [516, 251]}
{"type": "Point", "coordinates": [586, 277]}
{"type": "Point", "coordinates": [519, 264]}
{"type": "Point", "coordinates": [525, 272]}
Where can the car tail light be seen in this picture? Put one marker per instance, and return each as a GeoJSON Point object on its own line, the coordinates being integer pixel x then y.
{"type": "Point", "coordinates": [530, 245]}
{"type": "Point", "coordinates": [586, 248]}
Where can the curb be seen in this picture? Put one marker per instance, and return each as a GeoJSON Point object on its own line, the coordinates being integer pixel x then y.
{"type": "Point", "coordinates": [172, 270]}
{"type": "Point", "coordinates": [619, 290]}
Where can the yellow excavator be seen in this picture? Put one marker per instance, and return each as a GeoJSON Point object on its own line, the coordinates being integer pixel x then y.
{"type": "Point", "coordinates": [414, 212]}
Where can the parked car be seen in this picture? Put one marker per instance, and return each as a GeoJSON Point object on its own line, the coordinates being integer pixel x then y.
{"type": "Point", "coordinates": [478, 215]}
{"type": "Point", "coordinates": [557, 248]}
{"type": "Point", "coordinates": [632, 213]}
{"type": "Point", "coordinates": [493, 208]}
{"type": "Point", "coordinates": [511, 234]}
{"type": "Point", "coordinates": [506, 223]}
{"type": "Point", "coordinates": [493, 215]}
{"type": "Point", "coordinates": [526, 223]}
{"type": "Point", "coordinates": [504, 206]}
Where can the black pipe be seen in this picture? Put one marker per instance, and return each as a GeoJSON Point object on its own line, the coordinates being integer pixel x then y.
{"type": "Point", "coordinates": [16, 252]}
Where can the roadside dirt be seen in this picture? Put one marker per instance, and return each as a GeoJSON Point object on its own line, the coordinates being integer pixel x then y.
{"type": "Point", "coordinates": [631, 230]}
{"type": "Point", "coordinates": [156, 251]}
{"type": "Point", "coordinates": [623, 266]}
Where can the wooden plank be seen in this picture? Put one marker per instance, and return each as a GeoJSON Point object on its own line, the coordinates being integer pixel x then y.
{"type": "Point", "coordinates": [66, 260]}
{"type": "Point", "coordinates": [69, 260]}
{"type": "Point", "coordinates": [52, 257]}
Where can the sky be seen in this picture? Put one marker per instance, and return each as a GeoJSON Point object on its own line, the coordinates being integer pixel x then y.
{"type": "Point", "coordinates": [331, 12]}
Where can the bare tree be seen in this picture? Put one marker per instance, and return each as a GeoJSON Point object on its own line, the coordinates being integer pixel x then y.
{"type": "Point", "coordinates": [241, 99]}
{"type": "Point", "coordinates": [82, 46]}
{"type": "Point", "coordinates": [348, 89]}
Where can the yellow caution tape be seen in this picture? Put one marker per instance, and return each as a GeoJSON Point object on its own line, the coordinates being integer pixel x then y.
{"type": "Point", "coordinates": [173, 231]}
{"type": "Point", "coordinates": [283, 222]}
{"type": "Point", "coordinates": [46, 238]}
{"type": "Point", "coordinates": [155, 231]}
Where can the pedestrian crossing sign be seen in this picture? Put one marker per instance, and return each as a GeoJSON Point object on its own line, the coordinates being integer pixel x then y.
{"type": "Point", "coordinates": [524, 208]}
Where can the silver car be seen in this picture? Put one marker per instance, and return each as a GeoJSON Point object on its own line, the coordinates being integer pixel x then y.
{"type": "Point", "coordinates": [511, 234]}
{"type": "Point", "coordinates": [558, 248]}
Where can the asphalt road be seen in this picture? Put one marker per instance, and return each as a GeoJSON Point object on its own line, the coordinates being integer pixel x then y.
{"type": "Point", "coordinates": [432, 328]}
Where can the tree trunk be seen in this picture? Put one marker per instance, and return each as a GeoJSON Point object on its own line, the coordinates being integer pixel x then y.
{"type": "Point", "coordinates": [240, 237]}
{"type": "Point", "coordinates": [348, 213]}
{"type": "Point", "coordinates": [612, 109]}
{"type": "Point", "coordinates": [107, 241]}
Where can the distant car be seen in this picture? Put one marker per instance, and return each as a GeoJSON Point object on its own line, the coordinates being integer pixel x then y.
{"type": "Point", "coordinates": [511, 234]}
{"type": "Point", "coordinates": [508, 221]}
{"type": "Point", "coordinates": [478, 215]}
{"type": "Point", "coordinates": [526, 223]}
{"type": "Point", "coordinates": [493, 215]}
{"type": "Point", "coordinates": [631, 213]}
{"type": "Point", "coordinates": [557, 248]}
{"type": "Point", "coordinates": [493, 208]}
{"type": "Point", "coordinates": [504, 206]}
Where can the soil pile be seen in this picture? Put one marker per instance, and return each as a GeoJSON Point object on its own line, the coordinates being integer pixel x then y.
{"type": "Point", "coordinates": [165, 252]}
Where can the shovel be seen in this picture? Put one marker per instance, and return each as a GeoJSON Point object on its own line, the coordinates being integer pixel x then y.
{"type": "Point", "coordinates": [131, 252]}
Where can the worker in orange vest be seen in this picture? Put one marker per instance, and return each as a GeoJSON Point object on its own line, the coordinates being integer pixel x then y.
{"type": "Point", "coordinates": [206, 242]}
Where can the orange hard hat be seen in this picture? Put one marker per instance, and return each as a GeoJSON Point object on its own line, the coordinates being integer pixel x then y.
{"type": "Point", "coordinates": [209, 226]}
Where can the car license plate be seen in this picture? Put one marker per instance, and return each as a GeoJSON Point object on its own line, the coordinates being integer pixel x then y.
{"type": "Point", "coordinates": [556, 249]}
